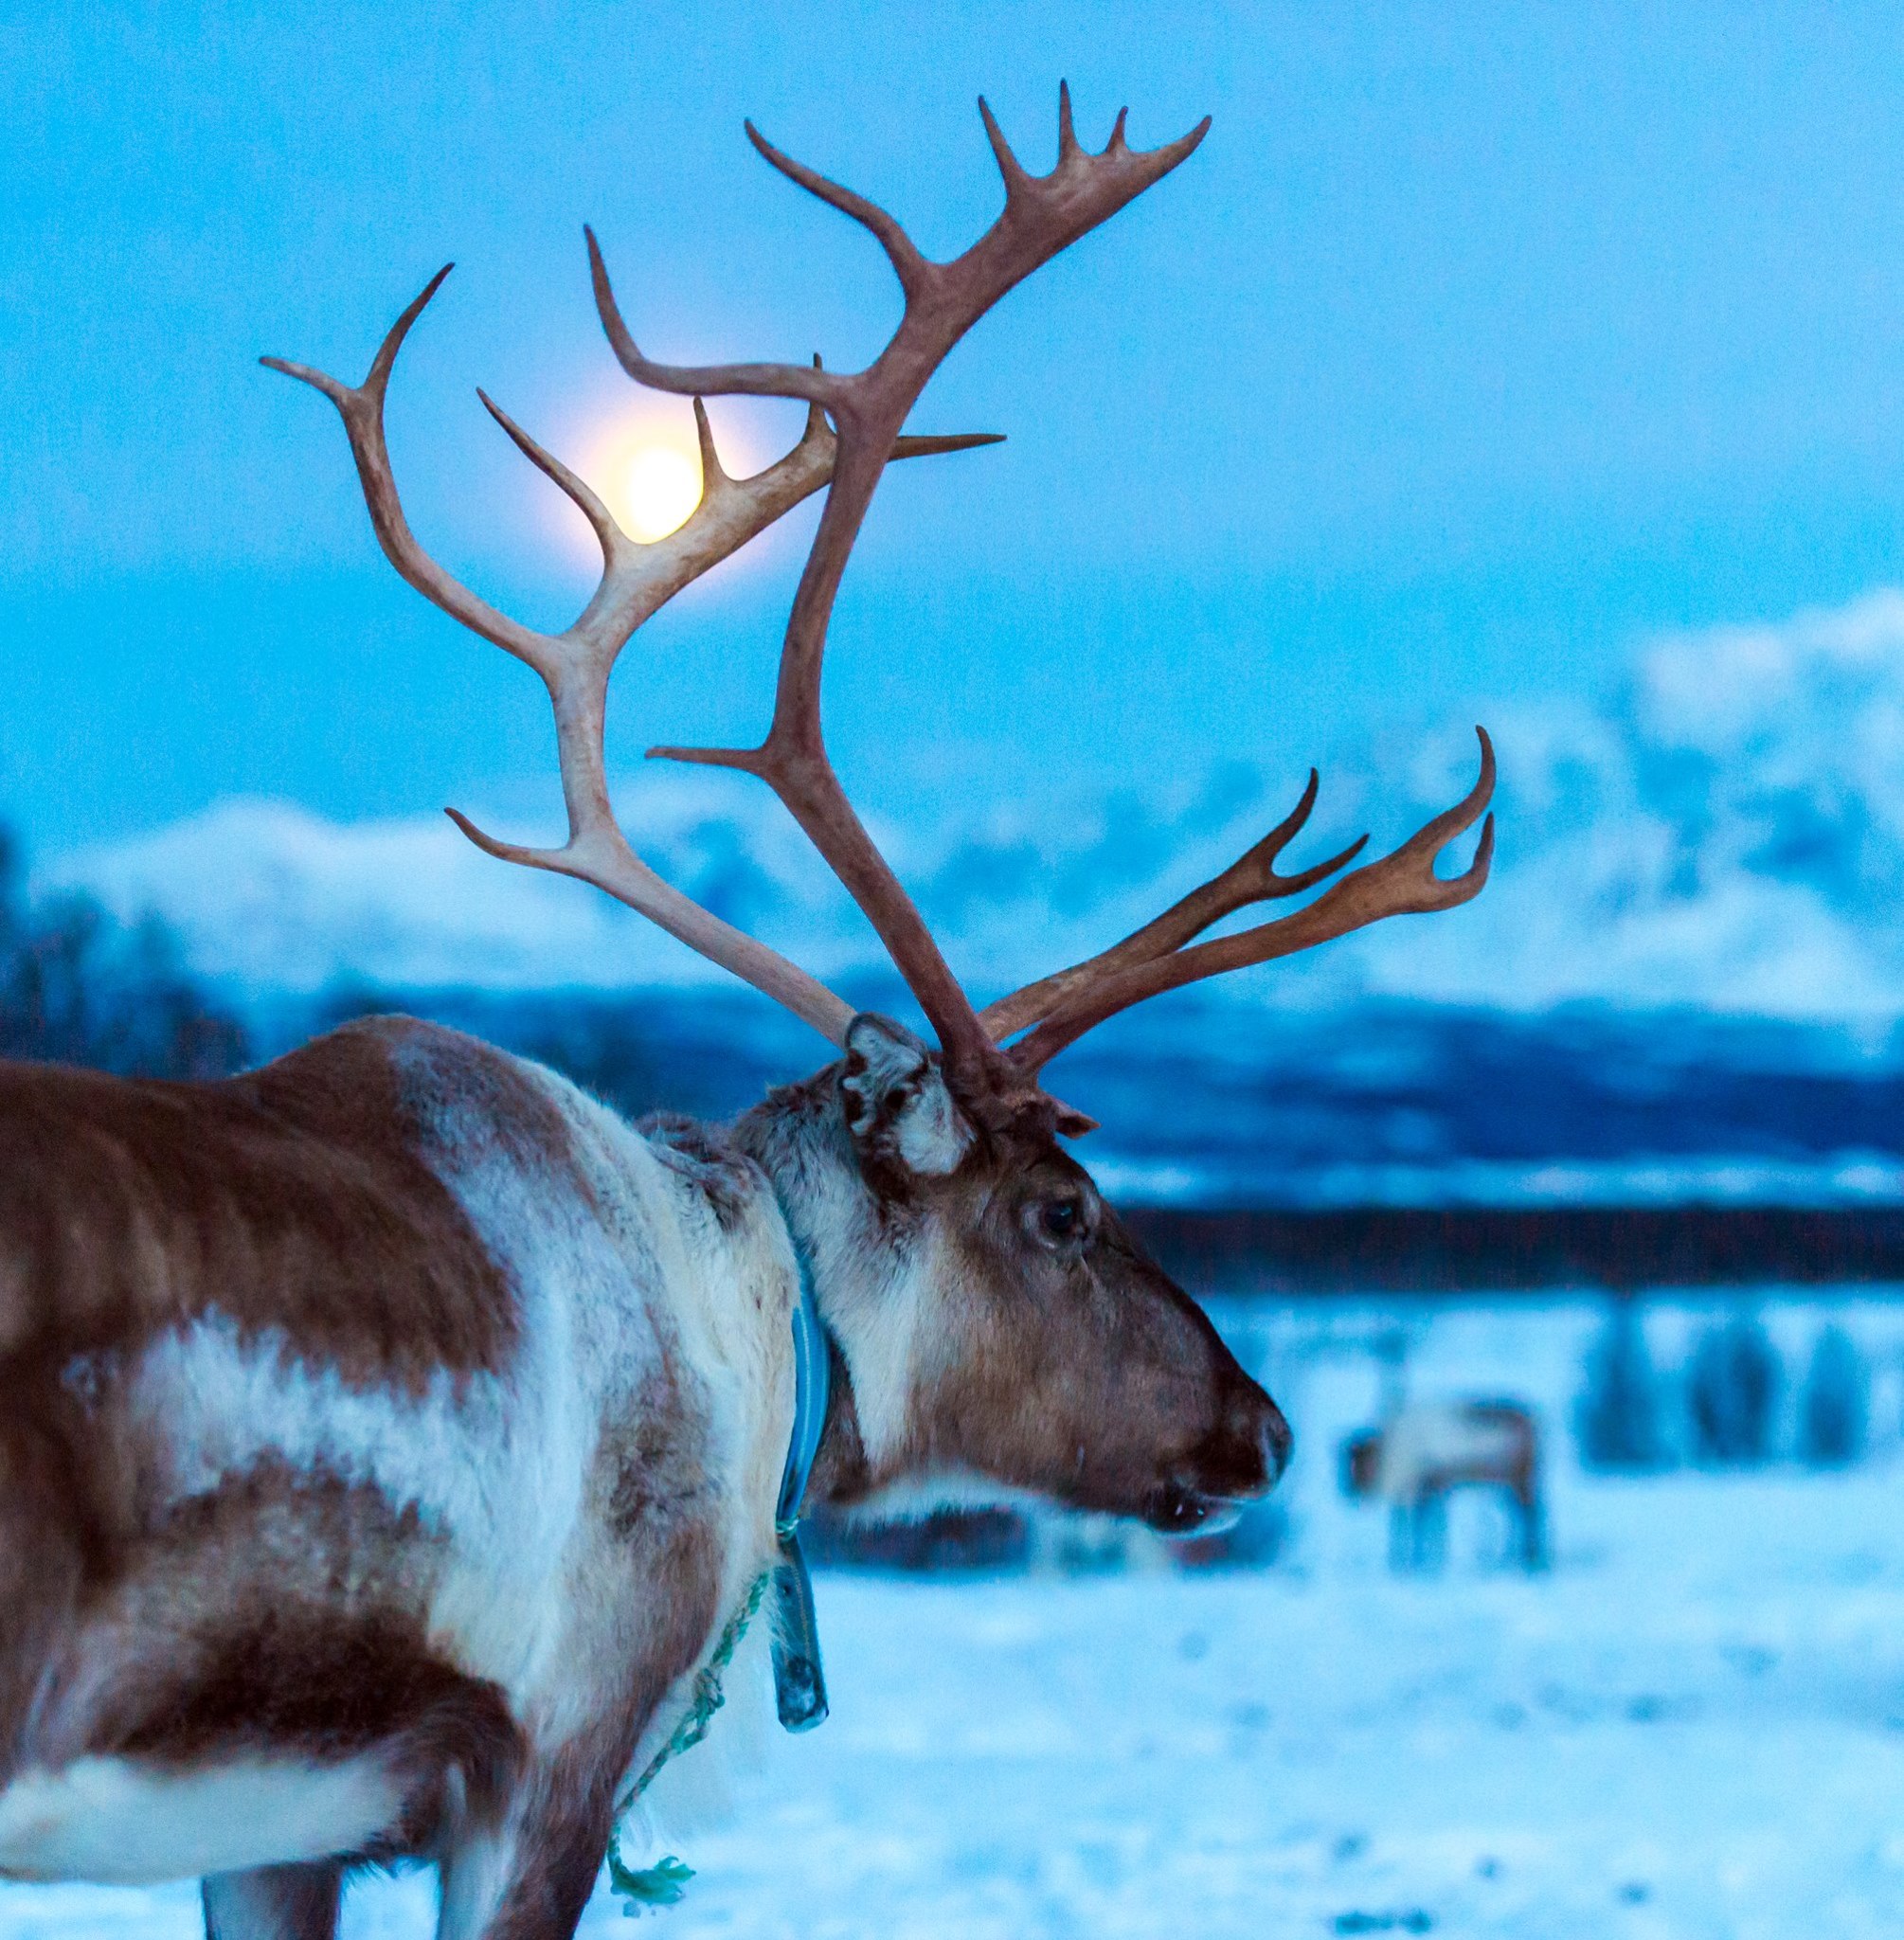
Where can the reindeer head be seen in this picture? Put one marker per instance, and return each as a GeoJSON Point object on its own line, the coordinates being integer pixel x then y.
{"type": "Point", "coordinates": [993, 1312]}
{"type": "Point", "coordinates": [996, 1322]}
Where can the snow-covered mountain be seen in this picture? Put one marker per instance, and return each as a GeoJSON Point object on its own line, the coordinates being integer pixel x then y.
{"type": "Point", "coordinates": [1726, 832]}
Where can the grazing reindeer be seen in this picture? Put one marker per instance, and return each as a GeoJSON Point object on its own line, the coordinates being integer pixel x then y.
{"type": "Point", "coordinates": [388, 1432]}
{"type": "Point", "coordinates": [1422, 1450]}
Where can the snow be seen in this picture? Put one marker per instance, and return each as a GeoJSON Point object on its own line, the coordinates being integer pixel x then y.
{"type": "Point", "coordinates": [1672, 1739]}
{"type": "Point", "coordinates": [1725, 829]}
{"type": "Point", "coordinates": [1692, 1726]}
{"type": "Point", "coordinates": [270, 898]}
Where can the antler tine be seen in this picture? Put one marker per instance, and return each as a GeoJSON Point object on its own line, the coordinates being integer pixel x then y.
{"type": "Point", "coordinates": [361, 406]}
{"type": "Point", "coordinates": [1016, 177]}
{"type": "Point", "coordinates": [1042, 215]}
{"type": "Point", "coordinates": [1067, 136]}
{"type": "Point", "coordinates": [1401, 883]}
{"type": "Point", "coordinates": [808, 381]}
{"type": "Point", "coordinates": [909, 265]}
{"type": "Point", "coordinates": [1252, 878]}
{"type": "Point", "coordinates": [575, 665]}
{"type": "Point", "coordinates": [598, 854]}
{"type": "Point", "coordinates": [608, 535]}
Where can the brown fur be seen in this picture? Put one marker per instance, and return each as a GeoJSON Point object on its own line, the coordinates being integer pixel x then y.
{"type": "Point", "coordinates": [313, 1207]}
{"type": "Point", "coordinates": [285, 1612]}
{"type": "Point", "coordinates": [1055, 1342]}
{"type": "Point", "coordinates": [298, 1198]}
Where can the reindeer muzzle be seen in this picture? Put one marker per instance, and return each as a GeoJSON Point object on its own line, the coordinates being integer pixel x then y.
{"type": "Point", "coordinates": [1239, 1461]}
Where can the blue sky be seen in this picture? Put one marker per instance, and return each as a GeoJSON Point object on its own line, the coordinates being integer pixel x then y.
{"type": "Point", "coordinates": [1475, 344]}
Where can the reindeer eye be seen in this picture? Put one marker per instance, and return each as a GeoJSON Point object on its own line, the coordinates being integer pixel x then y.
{"type": "Point", "coordinates": [1061, 1218]}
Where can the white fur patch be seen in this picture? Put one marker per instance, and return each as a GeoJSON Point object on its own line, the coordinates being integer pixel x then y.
{"type": "Point", "coordinates": [726, 1296]}
{"type": "Point", "coordinates": [884, 1316]}
{"type": "Point", "coordinates": [1422, 1440]}
{"type": "Point", "coordinates": [701, 1790]}
{"type": "Point", "coordinates": [119, 1821]}
{"type": "Point", "coordinates": [913, 1496]}
{"type": "Point", "coordinates": [218, 1402]}
{"type": "Point", "coordinates": [495, 1465]}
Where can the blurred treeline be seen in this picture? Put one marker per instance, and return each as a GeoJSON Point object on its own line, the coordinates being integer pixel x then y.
{"type": "Point", "coordinates": [1721, 1409]}
{"type": "Point", "coordinates": [78, 986]}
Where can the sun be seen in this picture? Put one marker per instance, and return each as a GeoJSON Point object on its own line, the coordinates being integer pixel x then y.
{"type": "Point", "coordinates": [661, 486]}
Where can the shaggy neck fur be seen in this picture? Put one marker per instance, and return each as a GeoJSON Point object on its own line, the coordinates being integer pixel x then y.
{"type": "Point", "coordinates": [868, 1261]}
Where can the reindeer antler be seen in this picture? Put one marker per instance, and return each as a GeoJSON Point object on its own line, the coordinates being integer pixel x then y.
{"type": "Point", "coordinates": [1042, 214]}
{"type": "Point", "coordinates": [1252, 878]}
{"type": "Point", "coordinates": [1155, 958]}
{"type": "Point", "coordinates": [575, 664]}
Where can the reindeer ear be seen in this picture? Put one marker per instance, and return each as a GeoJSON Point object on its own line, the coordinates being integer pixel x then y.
{"type": "Point", "coordinates": [898, 1108]}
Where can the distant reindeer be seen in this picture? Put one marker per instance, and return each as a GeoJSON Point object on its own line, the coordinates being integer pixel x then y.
{"type": "Point", "coordinates": [391, 1437]}
{"type": "Point", "coordinates": [1425, 1450]}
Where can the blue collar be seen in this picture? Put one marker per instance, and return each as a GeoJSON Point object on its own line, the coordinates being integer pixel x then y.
{"type": "Point", "coordinates": [813, 1389]}
{"type": "Point", "coordinates": [799, 1683]}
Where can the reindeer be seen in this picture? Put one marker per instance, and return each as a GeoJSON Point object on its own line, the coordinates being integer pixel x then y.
{"type": "Point", "coordinates": [392, 1434]}
{"type": "Point", "coordinates": [1425, 1449]}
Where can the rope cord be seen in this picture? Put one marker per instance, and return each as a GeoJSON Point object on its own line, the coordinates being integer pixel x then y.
{"type": "Point", "coordinates": [663, 1883]}
{"type": "Point", "coordinates": [799, 1683]}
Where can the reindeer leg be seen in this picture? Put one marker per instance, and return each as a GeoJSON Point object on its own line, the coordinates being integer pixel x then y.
{"type": "Point", "coordinates": [1417, 1525]}
{"type": "Point", "coordinates": [275, 1902]}
{"type": "Point", "coordinates": [528, 1874]}
{"type": "Point", "coordinates": [1401, 1536]}
{"type": "Point", "coordinates": [1431, 1530]}
{"type": "Point", "coordinates": [1532, 1529]}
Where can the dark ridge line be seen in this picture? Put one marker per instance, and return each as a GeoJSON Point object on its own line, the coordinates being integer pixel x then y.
{"type": "Point", "coordinates": [1439, 1249]}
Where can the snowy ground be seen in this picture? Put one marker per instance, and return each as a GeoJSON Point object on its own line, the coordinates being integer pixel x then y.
{"type": "Point", "coordinates": [1685, 1731]}
{"type": "Point", "coordinates": [1694, 1726]}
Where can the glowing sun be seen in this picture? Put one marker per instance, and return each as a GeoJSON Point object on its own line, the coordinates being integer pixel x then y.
{"type": "Point", "coordinates": [661, 486]}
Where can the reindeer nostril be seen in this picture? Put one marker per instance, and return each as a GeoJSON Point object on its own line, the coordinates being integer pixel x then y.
{"type": "Point", "coordinates": [1256, 1439]}
{"type": "Point", "coordinates": [1277, 1443]}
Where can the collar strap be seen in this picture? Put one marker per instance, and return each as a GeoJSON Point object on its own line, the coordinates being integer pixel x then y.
{"type": "Point", "coordinates": [799, 1684]}
{"type": "Point", "coordinates": [813, 1389]}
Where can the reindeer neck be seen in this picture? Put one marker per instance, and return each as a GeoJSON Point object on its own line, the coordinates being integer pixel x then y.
{"type": "Point", "coordinates": [796, 1137]}
{"type": "Point", "coordinates": [840, 1471]}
